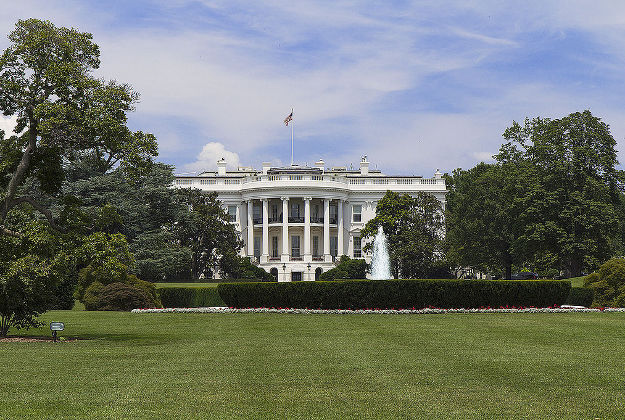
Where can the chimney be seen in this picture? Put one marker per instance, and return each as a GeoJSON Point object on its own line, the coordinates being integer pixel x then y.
{"type": "Point", "coordinates": [266, 167]}
{"type": "Point", "coordinates": [320, 164]}
{"type": "Point", "coordinates": [364, 166]}
{"type": "Point", "coordinates": [221, 167]}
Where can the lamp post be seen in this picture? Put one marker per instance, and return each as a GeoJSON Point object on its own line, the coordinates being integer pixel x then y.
{"type": "Point", "coordinates": [284, 271]}
{"type": "Point", "coordinates": [308, 271]}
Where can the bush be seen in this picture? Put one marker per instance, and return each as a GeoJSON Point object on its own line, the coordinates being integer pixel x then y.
{"type": "Point", "coordinates": [580, 296]}
{"type": "Point", "coordinates": [384, 294]}
{"type": "Point", "coordinates": [608, 284]}
{"type": "Point", "coordinates": [117, 297]}
{"type": "Point", "coordinates": [346, 269]}
{"type": "Point", "coordinates": [190, 297]}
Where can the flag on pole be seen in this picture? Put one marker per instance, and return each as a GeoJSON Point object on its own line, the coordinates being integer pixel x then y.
{"type": "Point", "coordinates": [288, 119]}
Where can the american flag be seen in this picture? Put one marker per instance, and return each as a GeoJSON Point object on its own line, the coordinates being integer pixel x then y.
{"type": "Point", "coordinates": [288, 119]}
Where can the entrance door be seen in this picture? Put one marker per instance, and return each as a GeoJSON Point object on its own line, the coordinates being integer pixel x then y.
{"type": "Point", "coordinates": [296, 276]}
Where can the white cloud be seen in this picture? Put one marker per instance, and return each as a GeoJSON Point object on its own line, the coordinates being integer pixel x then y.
{"type": "Point", "coordinates": [7, 124]}
{"type": "Point", "coordinates": [208, 157]}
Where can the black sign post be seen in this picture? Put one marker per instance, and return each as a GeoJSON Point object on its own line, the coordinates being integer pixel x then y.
{"type": "Point", "coordinates": [56, 326]}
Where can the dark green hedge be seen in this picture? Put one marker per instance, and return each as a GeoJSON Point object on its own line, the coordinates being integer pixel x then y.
{"type": "Point", "coordinates": [382, 294]}
{"type": "Point", "coordinates": [580, 296]}
{"type": "Point", "coordinates": [189, 297]}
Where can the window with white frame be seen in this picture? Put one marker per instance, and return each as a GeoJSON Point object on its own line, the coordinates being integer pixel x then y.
{"type": "Point", "coordinates": [356, 213]}
{"type": "Point", "coordinates": [334, 245]}
{"type": "Point", "coordinates": [274, 247]}
{"type": "Point", "coordinates": [295, 246]}
{"type": "Point", "coordinates": [257, 247]}
{"type": "Point", "coordinates": [232, 213]}
{"type": "Point", "coordinates": [315, 250]}
{"type": "Point", "coordinates": [357, 247]}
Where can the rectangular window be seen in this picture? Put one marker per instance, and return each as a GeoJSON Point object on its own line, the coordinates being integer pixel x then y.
{"type": "Point", "coordinates": [257, 246]}
{"type": "Point", "coordinates": [333, 213]}
{"type": "Point", "coordinates": [296, 276]}
{"type": "Point", "coordinates": [295, 246]}
{"type": "Point", "coordinates": [315, 212]}
{"type": "Point", "coordinates": [232, 213]}
{"type": "Point", "coordinates": [294, 210]}
{"type": "Point", "coordinates": [357, 247]}
{"type": "Point", "coordinates": [258, 214]}
{"type": "Point", "coordinates": [274, 212]}
{"type": "Point", "coordinates": [356, 213]}
{"type": "Point", "coordinates": [334, 245]}
{"type": "Point", "coordinates": [274, 247]}
{"type": "Point", "coordinates": [315, 249]}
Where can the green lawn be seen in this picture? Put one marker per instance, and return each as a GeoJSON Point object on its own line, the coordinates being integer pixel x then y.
{"type": "Point", "coordinates": [319, 366]}
{"type": "Point", "coordinates": [164, 285]}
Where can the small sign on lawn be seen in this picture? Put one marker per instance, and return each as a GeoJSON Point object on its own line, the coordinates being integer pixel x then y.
{"type": "Point", "coordinates": [56, 326]}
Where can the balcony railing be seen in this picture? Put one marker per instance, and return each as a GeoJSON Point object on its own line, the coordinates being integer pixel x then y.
{"type": "Point", "coordinates": [275, 219]}
{"type": "Point", "coordinates": [296, 219]}
{"type": "Point", "coordinates": [316, 219]}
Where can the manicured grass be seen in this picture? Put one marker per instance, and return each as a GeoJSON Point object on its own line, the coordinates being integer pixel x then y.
{"type": "Point", "coordinates": [319, 366]}
{"type": "Point", "coordinates": [164, 285]}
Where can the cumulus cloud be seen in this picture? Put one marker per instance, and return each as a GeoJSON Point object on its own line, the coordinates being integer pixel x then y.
{"type": "Point", "coordinates": [208, 157]}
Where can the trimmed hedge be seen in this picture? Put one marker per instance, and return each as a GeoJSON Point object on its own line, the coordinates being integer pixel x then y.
{"type": "Point", "coordinates": [190, 297]}
{"type": "Point", "coordinates": [580, 296]}
{"type": "Point", "coordinates": [386, 294]}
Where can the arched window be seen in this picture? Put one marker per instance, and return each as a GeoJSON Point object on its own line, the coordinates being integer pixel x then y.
{"type": "Point", "coordinates": [318, 272]}
{"type": "Point", "coordinates": [274, 273]}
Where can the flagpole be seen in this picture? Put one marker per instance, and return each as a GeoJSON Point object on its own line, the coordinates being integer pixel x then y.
{"type": "Point", "coordinates": [292, 124]}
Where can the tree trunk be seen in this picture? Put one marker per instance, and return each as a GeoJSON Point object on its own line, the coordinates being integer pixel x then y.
{"type": "Point", "coordinates": [508, 272]}
{"type": "Point", "coordinates": [4, 326]}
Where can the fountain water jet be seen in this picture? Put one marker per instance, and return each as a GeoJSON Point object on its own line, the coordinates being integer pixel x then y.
{"type": "Point", "coordinates": [380, 262]}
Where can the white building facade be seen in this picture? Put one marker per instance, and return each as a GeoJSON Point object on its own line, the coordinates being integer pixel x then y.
{"type": "Point", "coordinates": [297, 221]}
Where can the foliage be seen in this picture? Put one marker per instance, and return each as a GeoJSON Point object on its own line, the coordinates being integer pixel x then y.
{"type": "Point", "coordinates": [568, 210]}
{"type": "Point", "coordinates": [190, 297]}
{"type": "Point", "coordinates": [235, 267]}
{"type": "Point", "coordinates": [118, 297]}
{"type": "Point", "coordinates": [363, 294]}
{"type": "Point", "coordinates": [346, 269]}
{"type": "Point", "coordinates": [481, 202]}
{"type": "Point", "coordinates": [414, 228]}
{"type": "Point", "coordinates": [207, 232]}
{"type": "Point", "coordinates": [64, 115]}
{"type": "Point", "coordinates": [608, 284]}
{"type": "Point", "coordinates": [580, 296]}
{"type": "Point", "coordinates": [108, 258]}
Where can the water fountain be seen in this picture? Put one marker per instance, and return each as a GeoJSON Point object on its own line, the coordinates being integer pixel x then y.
{"type": "Point", "coordinates": [380, 262]}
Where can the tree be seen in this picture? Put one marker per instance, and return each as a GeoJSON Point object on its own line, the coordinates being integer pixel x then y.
{"type": "Point", "coordinates": [481, 203]}
{"type": "Point", "coordinates": [414, 227]}
{"type": "Point", "coordinates": [206, 231]}
{"type": "Point", "coordinates": [63, 114]}
{"type": "Point", "coordinates": [569, 210]}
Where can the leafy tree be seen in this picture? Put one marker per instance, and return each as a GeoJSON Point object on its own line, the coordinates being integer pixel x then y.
{"type": "Point", "coordinates": [569, 210]}
{"type": "Point", "coordinates": [206, 231]}
{"type": "Point", "coordinates": [481, 203]}
{"type": "Point", "coordinates": [347, 268]}
{"type": "Point", "coordinates": [414, 227]}
{"type": "Point", "coordinates": [63, 114]}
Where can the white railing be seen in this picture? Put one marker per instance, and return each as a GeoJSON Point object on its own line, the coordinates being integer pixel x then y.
{"type": "Point", "coordinates": [374, 181]}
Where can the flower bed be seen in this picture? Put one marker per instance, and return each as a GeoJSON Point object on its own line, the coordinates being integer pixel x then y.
{"type": "Point", "coordinates": [225, 310]}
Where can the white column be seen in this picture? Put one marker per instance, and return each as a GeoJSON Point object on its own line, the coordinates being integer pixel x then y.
{"type": "Point", "coordinates": [340, 250]}
{"type": "Point", "coordinates": [326, 231]}
{"type": "Point", "coordinates": [250, 228]}
{"type": "Point", "coordinates": [307, 255]}
{"type": "Point", "coordinates": [265, 255]}
{"type": "Point", "coordinates": [285, 229]}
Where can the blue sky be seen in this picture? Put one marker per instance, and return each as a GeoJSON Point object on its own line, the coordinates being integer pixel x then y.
{"type": "Point", "coordinates": [416, 86]}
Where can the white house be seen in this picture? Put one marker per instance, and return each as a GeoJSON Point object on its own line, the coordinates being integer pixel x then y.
{"type": "Point", "coordinates": [325, 211]}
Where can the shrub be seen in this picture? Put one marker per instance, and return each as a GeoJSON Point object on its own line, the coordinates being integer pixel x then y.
{"type": "Point", "coordinates": [346, 269]}
{"type": "Point", "coordinates": [581, 296]}
{"type": "Point", "coordinates": [123, 297]}
{"type": "Point", "coordinates": [608, 284]}
{"type": "Point", "coordinates": [384, 294]}
{"type": "Point", "coordinates": [190, 297]}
